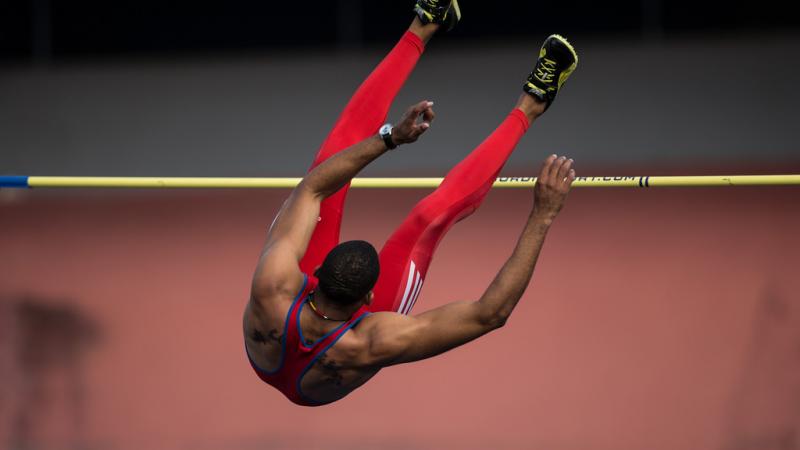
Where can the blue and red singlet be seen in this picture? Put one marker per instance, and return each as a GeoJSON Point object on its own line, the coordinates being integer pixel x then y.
{"type": "Point", "coordinates": [297, 357]}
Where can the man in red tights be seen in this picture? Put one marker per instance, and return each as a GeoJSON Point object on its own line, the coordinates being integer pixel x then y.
{"type": "Point", "coordinates": [325, 317]}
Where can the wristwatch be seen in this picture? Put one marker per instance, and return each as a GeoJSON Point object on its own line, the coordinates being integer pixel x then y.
{"type": "Point", "coordinates": [386, 134]}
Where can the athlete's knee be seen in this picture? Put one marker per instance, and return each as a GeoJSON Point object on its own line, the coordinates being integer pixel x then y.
{"type": "Point", "coordinates": [427, 212]}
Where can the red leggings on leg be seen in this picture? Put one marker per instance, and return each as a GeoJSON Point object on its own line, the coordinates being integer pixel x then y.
{"type": "Point", "coordinates": [361, 118]}
{"type": "Point", "coordinates": [407, 254]}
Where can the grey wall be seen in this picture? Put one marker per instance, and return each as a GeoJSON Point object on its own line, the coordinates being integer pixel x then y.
{"type": "Point", "coordinates": [705, 101]}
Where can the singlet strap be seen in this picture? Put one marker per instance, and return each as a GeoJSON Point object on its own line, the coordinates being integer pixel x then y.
{"type": "Point", "coordinates": [310, 347]}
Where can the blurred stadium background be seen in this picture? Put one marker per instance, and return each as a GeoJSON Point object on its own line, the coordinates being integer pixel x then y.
{"type": "Point", "coordinates": [661, 319]}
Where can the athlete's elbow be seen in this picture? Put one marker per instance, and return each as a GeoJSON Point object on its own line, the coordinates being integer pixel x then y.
{"type": "Point", "coordinates": [309, 186]}
{"type": "Point", "coordinates": [498, 321]}
{"type": "Point", "coordinates": [493, 319]}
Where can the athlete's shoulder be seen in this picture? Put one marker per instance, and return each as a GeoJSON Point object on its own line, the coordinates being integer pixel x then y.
{"type": "Point", "coordinates": [381, 335]}
{"type": "Point", "coordinates": [277, 272]}
{"type": "Point", "coordinates": [285, 285]}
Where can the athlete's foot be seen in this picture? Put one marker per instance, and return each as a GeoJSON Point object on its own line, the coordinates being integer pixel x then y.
{"type": "Point", "coordinates": [445, 13]}
{"type": "Point", "coordinates": [557, 60]}
{"type": "Point", "coordinates": [531, 106]}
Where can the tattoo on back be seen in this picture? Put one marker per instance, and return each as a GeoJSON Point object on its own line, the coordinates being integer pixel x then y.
{"type": "Point", "coordinates": [330, 370]}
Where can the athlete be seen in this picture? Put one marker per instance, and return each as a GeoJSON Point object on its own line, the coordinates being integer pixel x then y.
{"type": "Point", "coordinates": [325, 317]}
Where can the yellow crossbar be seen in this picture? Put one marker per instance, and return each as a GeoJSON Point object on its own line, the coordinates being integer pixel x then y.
{"type": "Point", "coordinates": [502, 182]}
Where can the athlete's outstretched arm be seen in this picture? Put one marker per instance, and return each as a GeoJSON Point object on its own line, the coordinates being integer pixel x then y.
{"type": "Point", "coordinates": [291, 231]}
{"type": "Point", "coordinates": [395, 338]}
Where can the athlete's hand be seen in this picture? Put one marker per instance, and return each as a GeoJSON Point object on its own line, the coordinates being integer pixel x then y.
{"type": "Point", "coordinates": [552, 186]}
{"type": "Point", "coordinates": [415, 121]}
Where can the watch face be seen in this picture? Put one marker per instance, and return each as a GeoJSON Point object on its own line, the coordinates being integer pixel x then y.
{"type": "Point", "coordinates": [386, 129]}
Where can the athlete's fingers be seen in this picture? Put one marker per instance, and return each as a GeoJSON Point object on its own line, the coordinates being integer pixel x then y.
{"type": "Point", "coordinates": [428, 115]}
{"type": "Point", "coordinates": [545, 170]}
{"type": "Point", "coordinates": [417, 109]}
{"type": "Point", "coordinates": [410, 117]}
{"type": "Point", "coordinates": [564, 169]}
{"type": "Point", "coordinates": [555, 167]}
{"type": "Point", "coordinates": [569, 179]}
{"type": "Point", "coordinates": [419, 128]}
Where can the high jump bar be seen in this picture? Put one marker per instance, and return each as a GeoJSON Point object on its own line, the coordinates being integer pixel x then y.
{"type": "Point", "coordinates": [501, 182]}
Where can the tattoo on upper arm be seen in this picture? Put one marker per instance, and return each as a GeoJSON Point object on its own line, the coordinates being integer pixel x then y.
{"type": "Point", "coordinates": [272, 336]}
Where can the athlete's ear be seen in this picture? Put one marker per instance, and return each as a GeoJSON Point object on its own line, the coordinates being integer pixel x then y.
{"type": "Point", "coordinates": [368, 298]}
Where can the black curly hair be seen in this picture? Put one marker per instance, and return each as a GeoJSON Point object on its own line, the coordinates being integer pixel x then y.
{"type": "Point", "coordinates": [349, 272]}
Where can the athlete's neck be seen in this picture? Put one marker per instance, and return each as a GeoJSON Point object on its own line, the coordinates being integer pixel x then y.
{"type": "Point", "coordinates": [330, 309]}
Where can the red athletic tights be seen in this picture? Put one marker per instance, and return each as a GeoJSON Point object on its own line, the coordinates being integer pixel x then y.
{"type": "Point", "coordinates": [405, 257]}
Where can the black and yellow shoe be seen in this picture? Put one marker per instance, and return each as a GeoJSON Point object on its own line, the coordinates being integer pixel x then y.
{"type": "Point", "coordinates": [444, 12]}
{"type": "Point", "coordinates": [557, 60]}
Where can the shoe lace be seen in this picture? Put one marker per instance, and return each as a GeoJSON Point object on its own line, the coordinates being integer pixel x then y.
{"type": "Point", "coordinates": [433, 6]}
{"type": "Point", "coordinates": [546, 71]}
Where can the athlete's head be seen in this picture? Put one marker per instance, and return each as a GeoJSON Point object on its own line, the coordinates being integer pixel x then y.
{"type": "Point", "coordinates": [349, 272]}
